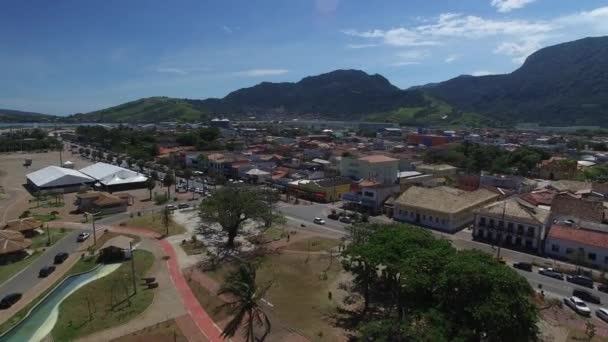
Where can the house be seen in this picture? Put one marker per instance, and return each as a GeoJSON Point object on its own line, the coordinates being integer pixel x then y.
{"type": "Point", "coordinates": [55, 179]}
{"type": "Point", "coordinates": [104, 203]}
{"type": "Point", "coordinates": [257, 176]}
{"type": "Point", "coordinates": [26, 226]}
{"type": "Point", "coordinates": [438, 170]}
{"type": "Point", "coordinates": [13, 246]}
{"type": "Point", "coordinates": [369, 196]}
{"type": "Point", "coordinates": [578, 244]}
{"type": "Point", "coordinates": [320, 190]}
{"type": "Point", "coordinates": [511, 223]}
{"type": "Point", "coordinates": [557, 168]}
{"type": "Point", "coordinates": [379, 168]}
{"type": "Point", "coordinates": [443, 208]}
{"type": "Point", "coordinates": [542, 198]}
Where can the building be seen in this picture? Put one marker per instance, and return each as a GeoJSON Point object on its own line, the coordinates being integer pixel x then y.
{"type": "Point", "coordinates": [103, 203]}
{"type": "Point", "coordinates": [567, 206]}
{"type": "Point", "coordinates": [26, 226]}
{"type": "Point", "coordinates": [558, 168]}
{"type": "Point", "coordinates": [410, 178]}
{"type": "Point", "coordinates": [257, 176]}
{"type": "Point", "coordinates": [438, 170]}
{"type": "Point", "coordinates": [220, 123]}
{"type": "Point", "coordinates": [378, 168]}
{"type": "Point", "coordinates": [443, 208]}
{"type": "Point", "coordinates": [511, 223]}
{"type": "Point", "coordinates": [578, 245]}
{"type": "Point", "coordinates": [369, 196]}
{"type": "Point", "coordinates": [428, 140]}
{"type": "Point", "coordinates": [320, 190]}
{"type": "Point", "coordinates": [13, 246]}
{"type": "Point", "coordinates": [115, 178]}
{"type": "Point", "coordinates": [55, 179]}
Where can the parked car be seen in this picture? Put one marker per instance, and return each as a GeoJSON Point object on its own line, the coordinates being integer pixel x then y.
{"type": "Point", "coordinates": [82, 236]}
{"type": "Point", "coordinates": [192, 189]}
{"type": "Point", "coordinates": [580, 280]}
{"type": "Point", "coordinates": [45, 271]}
{"type": "Point", "coordinates": [183, 205]}
{"type": "Point", "coordinates": [524, 266]}
{"type": "Point", "coordinates": [60, 258]}
{"type": "Point", "coordinates": [602, 314]}
{"type": "Point", "coordinates": [345, 219]}
{"type": "Point", "coordinates": [318, 220]}
{"type": "Point", "coordinates": [586, 296]}
{"type": "Point", "coordinates": [602, 288]}
{"type": "Point", "coordinates": [577, 305]}
{"type": "Point", "coordinates": [171, 207]}
{"type": "Point", "coordinates": [9, 300]}
{"type": "Point", "coordinates": [549, 272]}
{"type": "Point", "coordinates": [333, 216]}
{"type": "Point", "coordinates": [198, 190]}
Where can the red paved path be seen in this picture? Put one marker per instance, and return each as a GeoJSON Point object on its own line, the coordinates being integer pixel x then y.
{"type": "Point", "coordinates": [196, 311]}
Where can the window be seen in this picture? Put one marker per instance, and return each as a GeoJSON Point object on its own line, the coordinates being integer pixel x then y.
{"type": "Point", "coordinates": [501, 224]}
{"type": "Point", "coordinates": [591, 256]}
{"type": "Point", "coordinates": [431, 218]}
{"type": "Point", "coordinates": [520, 229]}
{"type": "Point", "coordinates": [405, 212]}
{"type": "Point", "coordinates": [423, 217]}
{"type": "Point", "coordinates": [569, 250]}
{"type": "Point", "coordinates": [510, 226]}
{"type": "Point", "coordinates": [491, 222]}
{"type": "Point", "coordinates": [606, 260]}
{"type": "Point", "coordinates": [436, 219]}
{"type": "Point", "coordinates": [554, 248]}
{"type": "Point", "coordinates": [443, 221]}
{"type": "Point", "coordinates": [482, 221]}
{"type": "Point", "coordinates": [411, 213]}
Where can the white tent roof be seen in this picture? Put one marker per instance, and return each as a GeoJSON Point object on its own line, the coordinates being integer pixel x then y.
{"type": "Point", "coordinates": [257, 172]}
{"type": "Point", "coordinates": [108, 174]}
{"type": "Point", "coordinates": [51, 176]}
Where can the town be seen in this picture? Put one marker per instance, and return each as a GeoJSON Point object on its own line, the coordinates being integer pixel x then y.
{"type": "Point", "coordinates": [129, 196]}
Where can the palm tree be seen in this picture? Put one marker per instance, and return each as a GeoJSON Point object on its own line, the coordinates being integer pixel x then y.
{"type": "Point", "coordinates": [240, 285]}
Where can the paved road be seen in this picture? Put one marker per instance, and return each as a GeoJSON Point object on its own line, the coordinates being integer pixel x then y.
{"type": "Point", "coordinates": [27, 278]}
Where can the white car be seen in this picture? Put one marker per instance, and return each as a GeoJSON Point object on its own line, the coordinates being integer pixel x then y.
{"type": "Point", "coordinates": [602, 314]}
{"type": "Point", "coordinates": [319, 220]}
{"type": "Point", "coordinates": [577, 305]}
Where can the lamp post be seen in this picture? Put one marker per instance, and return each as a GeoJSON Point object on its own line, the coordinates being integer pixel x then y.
{"type": "Point", "coordinates": [86, 214]}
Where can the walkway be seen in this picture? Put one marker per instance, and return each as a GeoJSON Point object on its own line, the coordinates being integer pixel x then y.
{"type": "Point", "coordinates": [198, 314]}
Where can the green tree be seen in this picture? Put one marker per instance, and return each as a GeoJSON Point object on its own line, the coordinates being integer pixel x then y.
{"type": "Point", "coordinates": [244, 307]}
{"type": "Point", "coordinates": [231, 206]}
{"type": "Point", "coordinates": [150, 185]}
{"type": "Point", "coordinates": [168, 181]}
{"type": "Point", "coordinates": [187, 174]}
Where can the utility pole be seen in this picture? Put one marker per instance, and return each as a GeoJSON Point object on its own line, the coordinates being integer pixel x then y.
{"type": "Point", "coordinates": [504, 209]}
{"type": "Point", "coordinates": [94, 229]}
{"type": "Point", "coordinates": [133, 267]}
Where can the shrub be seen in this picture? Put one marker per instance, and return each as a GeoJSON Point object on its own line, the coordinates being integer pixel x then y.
{"type": "Point", "coordinates": [160, 199]}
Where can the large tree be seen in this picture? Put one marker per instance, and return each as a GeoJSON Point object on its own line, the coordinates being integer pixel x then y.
{"type": "Point", "coordinates": [244, 307]}
{"type": "Point", "coordinates": [168, 180]}
{"type": "Point", "coordinates": [233, 205]}
{"type": "Point", "coordinates": [150, 185]}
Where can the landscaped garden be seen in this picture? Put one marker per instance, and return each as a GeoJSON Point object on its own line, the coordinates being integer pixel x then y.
{"type": "Point", "coordinates": [155, 223]}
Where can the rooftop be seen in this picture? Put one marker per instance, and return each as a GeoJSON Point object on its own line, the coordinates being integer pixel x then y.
{"type": "Point", "coordinates": [57, 176]}
{"type": "Point", "coordinates": [443, 198]}
{"type": "Point", "coordinates": [108, 174]}
{"type": "Point", "coordinates": [515, 208]}
{"type": "Point", "coordinates": [11, 242]}
{"type": "Point", "coordinates": [579, 235]}
{"type": "Point", "coordinates": [378, 158]}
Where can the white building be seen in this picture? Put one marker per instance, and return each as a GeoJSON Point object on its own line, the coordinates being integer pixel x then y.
{"type": "Point", "coordinates": [114, 177]}
{"type": "Point", "coordinates": [55, 179]}
{"type": "Point", "coordinates": [578, 245]}
{"type": "Point", "coordinates": [378, 168]}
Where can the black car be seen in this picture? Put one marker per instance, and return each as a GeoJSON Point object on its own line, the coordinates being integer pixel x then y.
{"type": "Point", "coordinates": [586, 296]}
{"type": "Point", "coordinates": [580, 280]}
{"type": "Point", "coordinates": [524, 266]}
{"type": "Point", "coordinates": [346, 219]}
{"type": "Point", "coordinates": [333, 216]}
{"type": "Point", "coordinates": [45, 271]}
{"type": "Point", "coordinates": [602, 288]}
{"type": "Point", "coordinates": [9, 300]}
{"type": "Point", "coordinates": [549, 272]}
{"type": "Point", "coordinates": [183, 206]}
{"type": "Point", "coordinates": [60, 258]}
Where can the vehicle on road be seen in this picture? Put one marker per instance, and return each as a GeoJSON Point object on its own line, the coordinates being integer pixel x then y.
{"type": "Point", "coordinates": [333, 216]}
{"type": "Point", "coordinates": [319, 220]}
{"type": "Point", "coordinates": [580, 280]}
{"type": "Point", "coordinates": [171, 207]}
{"type": "Point", "coordinates": [198, 190]}
{"type": "Point", "coordinates": [45, 271]}
{"type": "Point", "coordinates": [9, 300]}
{"type": "Point", "coordinates": [586, 296]}
{"type": "Point", "coordinates": [183, 205]}
{"type": "Point", "coordinates": [602, 314]}
{"type": "Point", "coordinates": [60, 258]}
{"type": "Point", "coordinates": [549, 272]}
{"type": "Point", "coordinates": [602, 288]}
{"type": "Point", "coordinates": [191, 189]}
{"type": "Point", "coordinates": [577, 305]}
{"type": "Point", "coordinates": [524, 266]}
{"type": "Point", "coordinates": [82, 236]}
{"type": "Point", "coordinates": [345, 219]}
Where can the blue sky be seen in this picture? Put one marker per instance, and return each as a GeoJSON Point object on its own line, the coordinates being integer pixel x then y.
{"type": "Point", "coordinates": [62, 57]}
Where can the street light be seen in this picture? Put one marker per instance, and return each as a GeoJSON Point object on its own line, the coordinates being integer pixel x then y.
{"type": "Point", "coordinates": [86, 215]}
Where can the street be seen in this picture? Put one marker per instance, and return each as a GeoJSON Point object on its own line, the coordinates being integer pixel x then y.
{"type": "Point", "coordinates": [28, 277]}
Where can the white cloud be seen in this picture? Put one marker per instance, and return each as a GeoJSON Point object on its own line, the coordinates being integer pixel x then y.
{"type": "Point", "coordinates": [451, 58]}
{"type": "Point", "coordinates": [177, 71]}
{"type": "Point", "coordinates": [519, 51]}
{"type": "Point", "coordinates": [410, 57]}
{"type": "Point", "coordinates": [395, 37]}
{"type": "Point", "coordinates": [227, 29]}
{"type": "Point", "coordinates": [482, 73]}
{"type": "Point", "coordinates": [360, 46]}
{"type": "Point", "coordinates": [504, 6]}
{"type": "Point", "coordinates": [261, 72]}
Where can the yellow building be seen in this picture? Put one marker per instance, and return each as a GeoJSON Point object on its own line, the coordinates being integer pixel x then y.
{"type": "Point", "coordinates": [321, 190]}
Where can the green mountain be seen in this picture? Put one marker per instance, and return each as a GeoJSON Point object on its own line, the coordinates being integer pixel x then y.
{"type": "Point", "coordinates": [16, 116]}
{"type": "Point", "coordinates": [565, 85]}
{"type": "Point", "coordinates": [152, 109]}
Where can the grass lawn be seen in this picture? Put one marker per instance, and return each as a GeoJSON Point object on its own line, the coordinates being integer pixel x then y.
{"type": "Point", "coordinates": [110, 305]}
{"type": "Point", "coordinates": [82, 265]}
{"type": "Point", "coordinates": [208, 300]}
{"type": "Point", "coordinates": [56, 234]}
{"type": "Point", "coordinates": [154, 222]}
{"type": "Point", "coordinates": [164, 331]}
{"type": "Point", "coordinates": [45, 218]}
{"type": "Point", "coordinates": [299, 292]}
{"type": "Point", "coordinates": [7, 271]}
{"type": "Point", "coordinates": [314, 244]}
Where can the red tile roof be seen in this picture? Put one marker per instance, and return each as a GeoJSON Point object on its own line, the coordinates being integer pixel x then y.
{"type": "Point", "coordinates": [378, 158]}
{"type": "Point", "coordinates": [579, 235]}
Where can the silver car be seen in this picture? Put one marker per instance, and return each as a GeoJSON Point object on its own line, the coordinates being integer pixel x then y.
{"type": "Point", "coordinates": [602, 314]}
{"type": "Point", "coordinates": [577, 305]}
